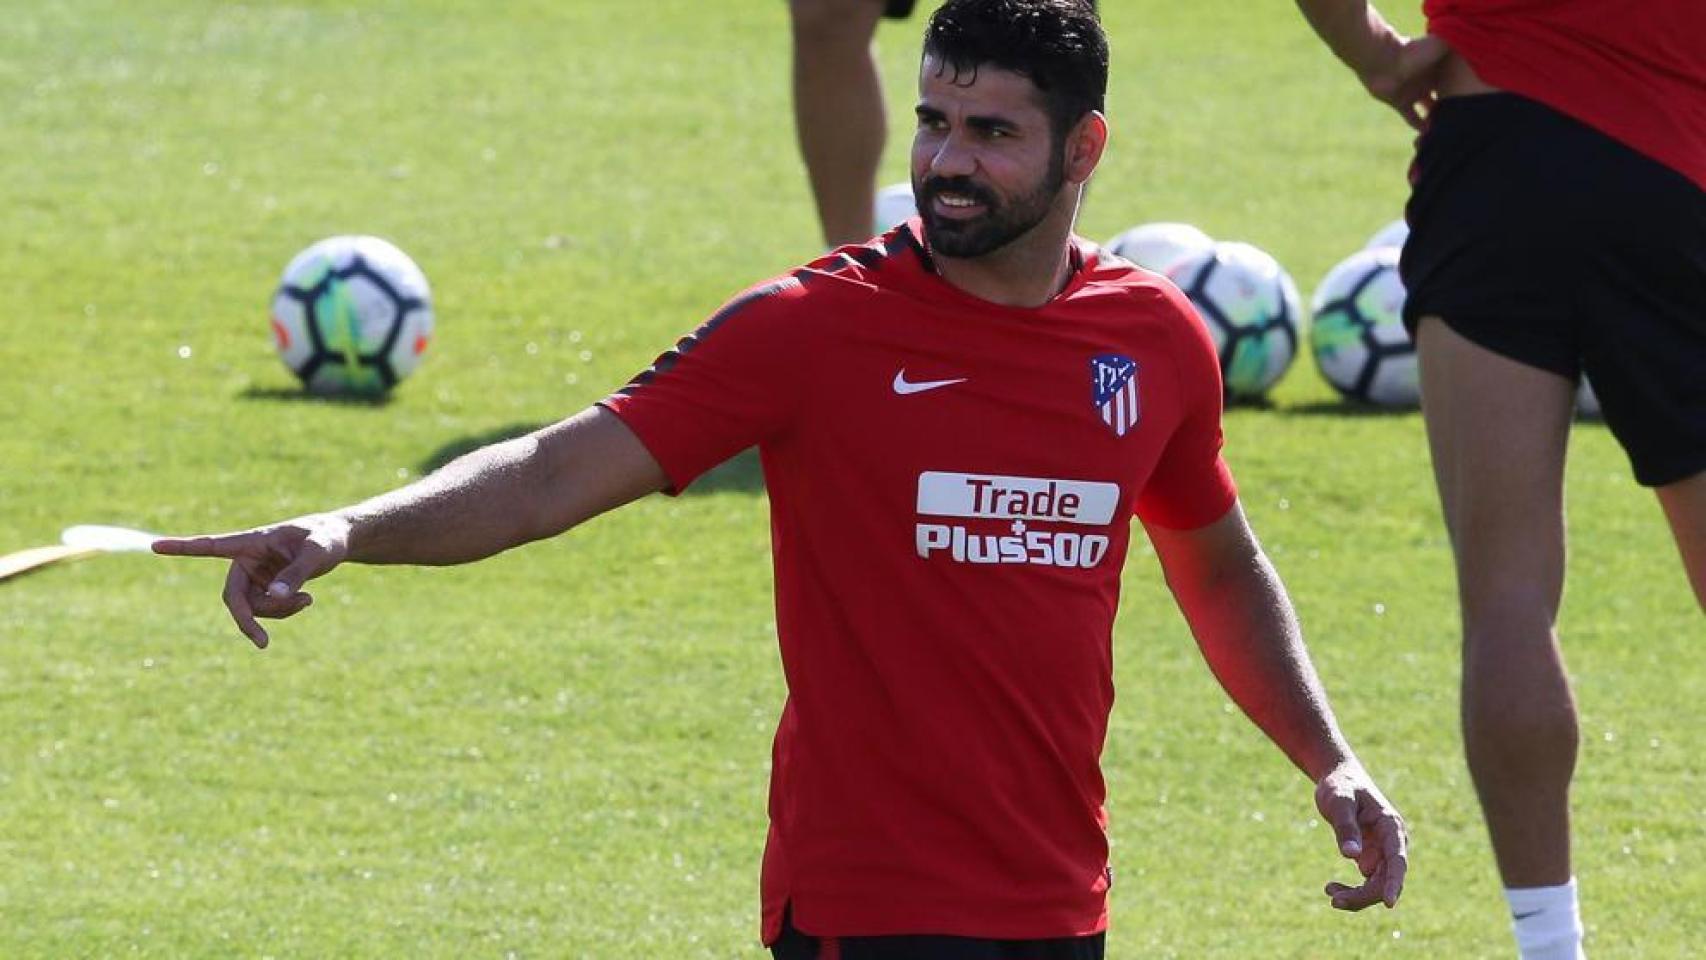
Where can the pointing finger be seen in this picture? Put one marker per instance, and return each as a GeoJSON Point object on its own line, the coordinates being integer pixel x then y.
{"type": "Point", "coordinates": [226, 545]}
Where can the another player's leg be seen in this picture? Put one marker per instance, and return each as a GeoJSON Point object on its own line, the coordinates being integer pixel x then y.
{"type": "Point", "coordinates": [1498, 430]}
{"type": "Point", "coordinates": [838, 110]}
{"type": "Point", "coordinates": [1684, 503]}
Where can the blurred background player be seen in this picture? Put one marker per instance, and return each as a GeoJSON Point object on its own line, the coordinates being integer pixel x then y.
{"type": "Point", "coordinates": [838, 108]}
{"type": "Point", "coordinates": [1558, 220]}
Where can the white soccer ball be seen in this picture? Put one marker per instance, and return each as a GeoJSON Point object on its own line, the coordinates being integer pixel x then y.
{"type": "Point", "coordinates": [352, 315]}
{"type": "Point", "coordinates": [1392, 235]}
{"type": "Point", "coordinates": [1159, 246]}
{"type": "Point", "coordinates": [1358, 334]}
{"type": "Point", "coordinates": [894, 205]}
{"type": "Point", "coordinates": [1251, 308]}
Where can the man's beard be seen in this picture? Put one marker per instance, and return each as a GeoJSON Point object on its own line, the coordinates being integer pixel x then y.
{"type": "Point", "coordinates": [998, 225]}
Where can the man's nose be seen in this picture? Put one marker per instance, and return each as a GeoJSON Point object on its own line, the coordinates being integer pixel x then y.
{"type": "Point", "coordinates": [953, 157]}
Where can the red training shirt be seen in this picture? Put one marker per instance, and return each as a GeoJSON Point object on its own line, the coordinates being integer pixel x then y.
{"type": "Point", "coordinates": [950, 485]}
{"type": "Point", "coordinates": [1632, 69]}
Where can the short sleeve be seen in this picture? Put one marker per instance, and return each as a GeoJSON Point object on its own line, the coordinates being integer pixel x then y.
{"type": "Point", "coordinates": [728, 385]}
{"type": "Point", "coordinates": [1191, 485]}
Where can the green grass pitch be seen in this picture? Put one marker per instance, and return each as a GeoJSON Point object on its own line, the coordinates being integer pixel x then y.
{"type": "Point", "coordinates": [562, 752]}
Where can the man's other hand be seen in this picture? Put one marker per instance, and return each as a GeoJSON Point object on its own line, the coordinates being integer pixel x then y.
{"type": "Point", "coordinates": [1369, 831]}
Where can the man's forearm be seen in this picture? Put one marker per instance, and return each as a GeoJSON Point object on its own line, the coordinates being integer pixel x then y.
{"type": "Point", "coordinates": [1248, 633]}
{"type": "Point", "coordinates": [1353, 29]}
{"type": "Point", "coordinates": [507, 494]}
{"type": "Point", "coordinates": [471, 508]}
{"type": "Point", "coordinates": [1244, 625]}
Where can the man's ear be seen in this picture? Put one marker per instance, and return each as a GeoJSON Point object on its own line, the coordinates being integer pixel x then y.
{"type": "Point", "coordinates": [1084, 145]}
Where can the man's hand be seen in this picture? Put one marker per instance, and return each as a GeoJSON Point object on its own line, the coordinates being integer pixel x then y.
{"type": "Point", "coordinates": [1369, 831]}
{"type": "Point", "coordinates": [1396, 70]}
{"type": "Point", "coordinates": [269, 565]}
{"type": "Point", "coordinates": [1404, 74]}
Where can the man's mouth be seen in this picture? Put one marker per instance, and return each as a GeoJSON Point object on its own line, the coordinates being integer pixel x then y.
{"type": "Point", "coordinates": [955, 205]}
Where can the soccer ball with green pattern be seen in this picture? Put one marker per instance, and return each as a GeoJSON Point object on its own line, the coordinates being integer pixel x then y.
{"type": "Point", "coordinates": [352, 315]}
{"type": "Point", "coordinates": [1358, 336]}
{"type": "Point", "coordinates": [1251, 308]}
{"type": "Point", "coordinates": [1158, 246]}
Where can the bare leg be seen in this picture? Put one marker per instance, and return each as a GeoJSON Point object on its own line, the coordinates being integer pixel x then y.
{"type": "Point", "coordinates": [1498, 430]}
{"type": "Point", "coordinates": [1685, 507]}
{"type": "Point", "coordinates": [838, 111]}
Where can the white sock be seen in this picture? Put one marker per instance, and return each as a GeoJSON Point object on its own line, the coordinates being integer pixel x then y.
{"type": "Point", "coordinates": [1547, 921]}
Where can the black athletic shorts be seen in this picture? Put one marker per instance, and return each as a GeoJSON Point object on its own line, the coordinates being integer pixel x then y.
{"type": "Point", "coordinates": [1548, 242]}
{"type": "Point", "coordinates": [794, 945]}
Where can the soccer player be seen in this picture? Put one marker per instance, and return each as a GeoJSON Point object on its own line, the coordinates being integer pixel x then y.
{"type": "Point", "coordinates": [1558, 221]}
{"type": "Point", "coordinates": [957, 421]}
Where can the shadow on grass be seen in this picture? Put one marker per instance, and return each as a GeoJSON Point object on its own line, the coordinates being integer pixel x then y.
{"type": "Point", "coordinates": [741, 473]}
{"type": "Point", "coordinates": [1349, 408]}
{"type": "Point", "coordinates": [1231, 402]}
{"type": "Point", "coordinates": [474, 441]}
{"type": "Point", "coordinates": [299, 395]}
{"type": "Point", "coordinates": [1358, 410]}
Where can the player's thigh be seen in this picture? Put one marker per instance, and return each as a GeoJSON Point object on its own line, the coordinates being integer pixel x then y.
{"type": "Point", "coordinates": [1498, 430]}
{"type": "Point", "coordinates": [1487, 275]}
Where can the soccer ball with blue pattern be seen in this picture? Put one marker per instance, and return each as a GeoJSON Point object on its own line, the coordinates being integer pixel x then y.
{"type": "Point", "coordinates": [1358, 336]}
{"type": "Point", "coordinates": [352, 315]}
{"type": "Point", "coordinates": [1251, 308]}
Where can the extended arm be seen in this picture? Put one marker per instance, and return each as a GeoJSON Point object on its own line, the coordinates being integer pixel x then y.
{"type": "Point", "coordinates": [482, 503]}
{"type": "Point", "coordinates": [1243, 622]}
{"type": "Point", "coordinates": [506, 494]}
{"type": "Point", "coordinates": [1395, 69]}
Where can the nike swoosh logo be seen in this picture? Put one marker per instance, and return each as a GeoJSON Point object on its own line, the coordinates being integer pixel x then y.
{"type": "Point", "coordinates": [1525, 916]}
{"type": "Point", "coordinates": [905, 387]}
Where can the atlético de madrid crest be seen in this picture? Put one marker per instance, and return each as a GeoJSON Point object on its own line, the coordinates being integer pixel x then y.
{"type": "Point", "coordinates": [1113, 389]}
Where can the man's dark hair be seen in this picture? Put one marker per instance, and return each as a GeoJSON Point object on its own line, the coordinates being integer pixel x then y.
{"type": "Point", "coordinates": [1057, 44]}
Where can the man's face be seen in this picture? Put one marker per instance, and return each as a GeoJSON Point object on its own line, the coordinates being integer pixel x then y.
{"type": "Point", "coordinates": [986, 166]}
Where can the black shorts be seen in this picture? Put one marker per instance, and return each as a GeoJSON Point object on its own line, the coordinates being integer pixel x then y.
{"type": "Point", "coordinates": [794, 945]}
{"type": "Point", "coordinates": [1548, 242]}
